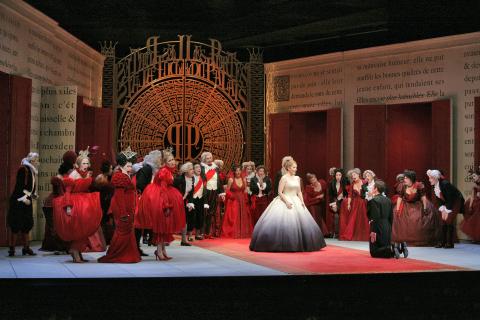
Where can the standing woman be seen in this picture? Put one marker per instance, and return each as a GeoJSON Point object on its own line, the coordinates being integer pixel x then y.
{"type": "Point", "coordinates": [448, 201]}
{"type": "Point", "coordinates": [123, 247]}
{"type": "Point", "coordinates": [337, 191]}
{"type": "Point", "coordinates": [237, 222]}
{"type": "Point", "coordinates": [353, 213]}
{"type": "Point", "coordinates": [314, 194]}
{"type": "Point", "coordinates": [414, 220]}
{"type": "Point", "coordinates": [286, 225]}
{"type": "Point", "coordinates": [20, 212]}
{"type": "Point", "coordinates": [471, 222]}
{"type": "Point", "coordinates": [260, 186]}
{"type": "Point", "coordinates": [77, 213]}
{"type": "Point", "coordinates": [163, 203]}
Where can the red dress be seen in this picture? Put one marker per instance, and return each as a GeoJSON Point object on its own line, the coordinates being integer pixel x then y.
{"type": "Point", "coordinates": [410, 224]}
{"type": "Point", "coordinates": [237, 222]}
{"type": "Point", "coordinates": [354, 222]}
{"type": "Point", "coordinates": [85, 216]}
{"type": "Point", "coordinates": [141, 221]}
{"type": "Point", "coordinates": [123, 247]}
{"type": "Point", "coordinates": [316, 206]}
{"type": "Point", "coordinates": [162, 204]}
{"type": "Point", "coordinates": [471, 218]}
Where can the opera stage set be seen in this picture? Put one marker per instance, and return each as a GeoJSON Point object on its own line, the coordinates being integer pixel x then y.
{"type": "Point", "coordinates": [374, 105]}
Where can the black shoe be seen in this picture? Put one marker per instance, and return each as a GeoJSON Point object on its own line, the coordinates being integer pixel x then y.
{"type": "Point", "coordinates": [185, 244]}
{"type": "Point", "coordinates": [403, 245]}
{"type": "Point", "coordinates": [28, 251]}
{"type": "Point", "coordinates": [11, 252]}
{"type": "Point", "coordinates": [198, 237]}
{"type": "Point", "coordinates": [440, 245]}
{"type": "Point", "coordinates": [142, 254]}
{"type": "Point", "coordinates": [396, 253]}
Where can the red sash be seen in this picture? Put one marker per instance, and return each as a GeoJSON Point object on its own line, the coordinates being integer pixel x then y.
{"type": "Point", "coordinates": [199, 184]}
{"type": "Point", "coordinates": [210, 174]}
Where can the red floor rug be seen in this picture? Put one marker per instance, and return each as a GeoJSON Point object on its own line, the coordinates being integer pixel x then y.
{"type": "Point", "coordinates": [330, 260]}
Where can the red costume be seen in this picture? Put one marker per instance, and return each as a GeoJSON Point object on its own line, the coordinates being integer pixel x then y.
{"type": "Point", "coordinates": [315, 203]}
{"type": "Point", "coordinates": [123, 247]}
{"type": "Point", "coordinates": [471, 218]}
{"type": "Point", "coordinates": [237, 222]}
{"type": "Point", "coordinates": [354, 222]}
{"type": "Point", "coordinates": [77, 213]}
{"type": "Point", "coordinates": [162, 204]}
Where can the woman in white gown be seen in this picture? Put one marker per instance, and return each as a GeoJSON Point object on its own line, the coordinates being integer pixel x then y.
{"type": "Point", "coordinates": [286, 225]}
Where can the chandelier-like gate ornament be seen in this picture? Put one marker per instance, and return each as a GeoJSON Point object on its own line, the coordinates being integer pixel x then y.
{"type": "Point", "coordinates": [187, 95]}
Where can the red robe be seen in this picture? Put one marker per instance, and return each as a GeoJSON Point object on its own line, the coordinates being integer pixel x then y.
{"type": "Point", "coordinates": [316, 206]}
{"type": "Point", "coordinates": [123, 247]}
{"type": "Point", "coordinates": [85, 215]}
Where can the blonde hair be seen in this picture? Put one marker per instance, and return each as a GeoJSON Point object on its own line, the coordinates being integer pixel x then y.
{"type": "Point", "coordinates": [79, 160]}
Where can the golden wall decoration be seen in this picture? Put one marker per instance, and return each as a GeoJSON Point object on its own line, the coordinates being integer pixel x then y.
{"type": "Point", "coordinates": [187, 95]}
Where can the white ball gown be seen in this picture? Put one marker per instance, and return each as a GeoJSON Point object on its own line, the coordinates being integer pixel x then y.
{"type": "Point", "coordinates": [280, 229]}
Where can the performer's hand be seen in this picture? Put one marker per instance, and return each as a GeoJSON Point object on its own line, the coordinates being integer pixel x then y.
{"type": "Point", "coordinates": [373, 237]}
{"type": "Point", "coordinates": [340, 197]}
{"type": "Point", "coordinates": [69, 211]}
{"type": "Point", "coordinates": [349, 207]}
{"type": "Point", "coordinates": [206, 206]}
{"type": "Point", "coordinates": [27, 202]}
{"type": "Point", "coordinates": [289, 205]}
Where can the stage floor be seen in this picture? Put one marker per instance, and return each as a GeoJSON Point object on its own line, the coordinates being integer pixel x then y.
{"type": "Point", "coordinates": [220, 258]}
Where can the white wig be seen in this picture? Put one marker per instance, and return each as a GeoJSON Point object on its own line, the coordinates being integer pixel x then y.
{"type": "Point", "coordinates": [185, 167]}
{"type": "Point", "coordinates": [434, 174]}
{"type": "Point", "coordinates": [204, 155]}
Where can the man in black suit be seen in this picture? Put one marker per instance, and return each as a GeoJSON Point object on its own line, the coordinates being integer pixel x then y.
{"type": "Point", "coordinates": [449, 202]}
{"type": "Point", "coordinates": [213, 183]}
{"type": "Point", "coordinates": [380, 216]}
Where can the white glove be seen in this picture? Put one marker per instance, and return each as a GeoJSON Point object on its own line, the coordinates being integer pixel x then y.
{"type": "Point", "coordinates": [25, 200]}
{"type": "Point", "coordinates": [206, 206]}
{"type": "Point", "coordinates": [190, 206]}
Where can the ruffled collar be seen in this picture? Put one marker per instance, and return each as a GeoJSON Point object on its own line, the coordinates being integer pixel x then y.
{"type": "Point", "coordinates": [27, 163]}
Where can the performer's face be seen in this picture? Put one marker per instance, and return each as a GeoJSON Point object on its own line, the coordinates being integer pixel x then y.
{"type": "Point", "coordinates": [238, 172]}
{"type": "Point", "coordinates": [355, 176]}
{"type": "Point", "coordinates": [338, 176]}
{"type": "Point", "coordinates": [313, 180]}
{"type": "Point", "coordinates": [171, 162]}
{"type": "Point", "coordinates": [475, 177]}
{"type": "Point", "coordinates": [261, 172]}
{"type": "Point", "coordinates": [189, 172]}
{"type": "Point", "coordinates": [369, 177]}
{"type": "Point", "coordinates": [292, 169]}
{"type": "Point", "coordinates": [407, 181]}
{"type": "Point", "coordinates": [432, 180]}
{"type": "Point", "coordinates": [84, 165]}
{"type": "Point", "coordinates": [127, 168]}
{"type": "Point", "coordinates": [197, 169]}
{"type": "Point", "coordinates": [209, 159]}
{"type": "Point", "coordinates": [35, 162]}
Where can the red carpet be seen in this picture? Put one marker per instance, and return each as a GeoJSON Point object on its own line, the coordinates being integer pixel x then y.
{"type": "Point", "coordinates": [330, 260]}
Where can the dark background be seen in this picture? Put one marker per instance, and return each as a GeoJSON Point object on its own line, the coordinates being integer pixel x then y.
{"type": "Point", "coordinates": [285, 29]}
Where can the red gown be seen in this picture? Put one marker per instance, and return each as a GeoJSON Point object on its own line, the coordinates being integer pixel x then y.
{"type": "Point", "coordinates": [123, 247]}
{"type": "Point", "coordinates": [237, 222]}
{"type": "Point", "coordinates": [85, 215]}
{"type": "Point", "coordinates": [471, 218]}
{"type": "Point", "coordinates": [316, 206]}
{"type": "Point", "coordinates": [354, 223]}
{"type": "Point", "coordinates": [162, 204]}
{"type": "Point", "coordinates": [410, 224]}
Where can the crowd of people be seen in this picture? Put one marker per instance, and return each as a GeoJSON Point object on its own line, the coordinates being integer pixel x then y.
{"type": "Point", "coordinates": [147, 201]}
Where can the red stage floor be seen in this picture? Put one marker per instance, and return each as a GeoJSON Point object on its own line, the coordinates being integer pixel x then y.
{"type": "Point", "coordinates": [330, 260]}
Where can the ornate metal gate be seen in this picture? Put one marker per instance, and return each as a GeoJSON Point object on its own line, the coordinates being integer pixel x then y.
{"type": "Point", "coordinates": [183, 94]}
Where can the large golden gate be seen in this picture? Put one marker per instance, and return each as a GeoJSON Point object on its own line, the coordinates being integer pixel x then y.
{"type": "Point", "coordinates": [187, 95]}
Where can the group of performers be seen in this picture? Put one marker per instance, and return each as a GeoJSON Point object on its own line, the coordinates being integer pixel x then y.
{"type": "Point", "coordinates": [156, 198]}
